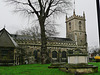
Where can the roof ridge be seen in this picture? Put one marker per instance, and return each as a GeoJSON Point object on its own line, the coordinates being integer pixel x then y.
{"type": "Point", "coordinates": [7, 38]}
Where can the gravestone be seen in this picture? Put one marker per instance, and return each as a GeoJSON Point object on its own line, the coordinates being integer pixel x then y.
{"type": "Point", "coordinates": [78, 63]}
{"type": "Point", "coordinates": [77, 57]}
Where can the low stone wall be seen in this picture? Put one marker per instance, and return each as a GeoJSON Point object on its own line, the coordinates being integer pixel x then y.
{"type": "Point", "coordinates": [6, 64]}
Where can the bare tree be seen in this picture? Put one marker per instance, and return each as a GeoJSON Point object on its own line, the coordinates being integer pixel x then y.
{"type": "Point", "coordinates": [43, 10]}
{"type": "Point", "coordinates": [35, 31]}
{"type": "Point", "coordinates": [32, 31]}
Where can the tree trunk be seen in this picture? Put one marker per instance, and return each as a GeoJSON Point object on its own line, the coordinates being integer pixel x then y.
{"type": "Point", "coordinates": [43, 41]}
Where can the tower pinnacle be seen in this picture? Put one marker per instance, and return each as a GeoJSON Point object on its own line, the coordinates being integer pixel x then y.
{"type": "Point", "coordinates": [83, 14]}
{"type": "Point", "coordinates": [74, 8]}
{"type": "Point", "coordinates": [66, 17]}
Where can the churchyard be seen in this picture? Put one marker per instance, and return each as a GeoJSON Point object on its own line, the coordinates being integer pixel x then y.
{"type": "Point", "coordinates": [30, 69]}
{"type": "Point", "coordinates": [37, 69]}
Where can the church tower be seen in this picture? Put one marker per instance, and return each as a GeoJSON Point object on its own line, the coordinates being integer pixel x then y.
{"type": "Point", "coordinates": [75, 29]}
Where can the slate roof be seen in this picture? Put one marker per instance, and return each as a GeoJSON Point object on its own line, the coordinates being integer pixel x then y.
{"type": "Point", "coordinates": [21, 37]}
{"type": "Point", "coordinates": [26, 37]}
{"type": "Point", "coordinates": [59, 39]}
{"type": "Point", "coordinates": [6, 40]}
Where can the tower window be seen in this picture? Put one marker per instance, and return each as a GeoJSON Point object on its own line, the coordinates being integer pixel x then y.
{"type": "Point", "coordinates": [81, 41]}
{"type": "Point", "coordinates": [70, 25]}
{"type": "Point", "coordinates": [80, 27]}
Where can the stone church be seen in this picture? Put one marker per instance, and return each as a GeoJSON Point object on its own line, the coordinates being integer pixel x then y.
{"type": "Point", "coordinates": [22, 49]}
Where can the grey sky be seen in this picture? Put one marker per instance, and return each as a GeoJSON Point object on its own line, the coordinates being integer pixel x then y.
{"type": "Point", "coordinates": [15, 22]}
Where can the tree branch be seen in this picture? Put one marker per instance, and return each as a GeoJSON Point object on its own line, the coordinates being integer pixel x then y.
{"type": "Point", "coordinates": [48, 8]}
{"type": "Point", "coordinates": [36, 12]}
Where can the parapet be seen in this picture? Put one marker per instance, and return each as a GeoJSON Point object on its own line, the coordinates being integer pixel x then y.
{"type": "Point", "coordinates": [74, 16]}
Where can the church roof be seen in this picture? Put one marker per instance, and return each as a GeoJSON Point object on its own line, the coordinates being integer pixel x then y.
{"type": "Point", "coordinates": [26, 37]}
{"type": "Point", "coordinates": [21, 37]}
{"type": "Point", "coordinates": [59, 39]}
{"type": "Point", "coordinates": [6, 40]}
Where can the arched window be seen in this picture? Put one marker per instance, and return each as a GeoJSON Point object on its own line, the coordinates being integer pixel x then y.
{"type": "Point", "coordinates": [63, 54]}
{"type": "Point", "coordinates": [69, 25]}
{"type": "Point", "coordinates": [81, 41]}
{"type": "Point", "coordinates": [80, 27]}
{"type": "Point", "coordinates": [54, 54]}
{"type": "Point", "coordinates": [35, 54]}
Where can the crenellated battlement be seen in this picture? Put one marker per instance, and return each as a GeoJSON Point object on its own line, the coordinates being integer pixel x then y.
{"type": "Point", "coordinates": [74, 16]}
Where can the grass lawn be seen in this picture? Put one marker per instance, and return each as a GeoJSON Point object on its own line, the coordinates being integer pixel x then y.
{"type": "Point", "coordinates": [36, 69]}
{"type": "Point", "coordinates": [31, 69]}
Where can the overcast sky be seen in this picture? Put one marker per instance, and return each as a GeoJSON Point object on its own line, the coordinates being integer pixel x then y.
{"type": "Point", "coordinates": [14, 22]}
